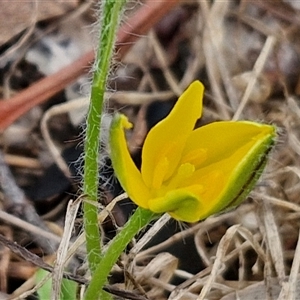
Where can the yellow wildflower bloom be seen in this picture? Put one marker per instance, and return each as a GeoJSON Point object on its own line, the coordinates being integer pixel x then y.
{"type": "Point", "coordinates": [191, 173]}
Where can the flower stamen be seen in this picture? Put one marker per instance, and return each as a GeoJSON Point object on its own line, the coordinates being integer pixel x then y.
{"type": "Point", "coordinates": [184, 171]}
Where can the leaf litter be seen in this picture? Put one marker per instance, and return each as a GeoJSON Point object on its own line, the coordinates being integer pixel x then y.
{"type": "Point", "coordinates": [247, 55]}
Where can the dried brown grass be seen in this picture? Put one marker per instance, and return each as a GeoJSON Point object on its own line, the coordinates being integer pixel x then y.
{"type": "Point", "coordinates": [249, 56]}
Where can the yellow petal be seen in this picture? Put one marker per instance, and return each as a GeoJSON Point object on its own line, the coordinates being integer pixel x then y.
{"type": "Point", "coordinates": [128, 174]}
{"type": "Point", "coordinates": [219, 140]}
{"type": "Point", "coordinates": [236, 156]}
{"type": "Point", "coordinates": [165, 141]}
{"type": "Point", "coordinates": [181, 204]}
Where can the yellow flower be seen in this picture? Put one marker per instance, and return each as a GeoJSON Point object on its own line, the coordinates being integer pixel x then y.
{"type": "Point", "coordinates": [191, 173]}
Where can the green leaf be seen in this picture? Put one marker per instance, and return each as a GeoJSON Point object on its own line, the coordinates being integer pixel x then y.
{"type": "Point", "coordinates": [68, 288]}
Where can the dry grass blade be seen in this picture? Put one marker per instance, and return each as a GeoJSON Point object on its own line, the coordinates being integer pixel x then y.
{"type": "Point", "coordinates": [212, 41]}
{"type": "Point", "coordinates": [274, 242]}
{"type": "Point", "coordinates": [35, 230]}
{"type": "Point", "coordinates": [290, 290]}
{"type": "Point", "coordinates": [62, 250]}
{"type": "Point", "coordinates": [279, 202]}
{"type": "Point", "coordinates": [150, 234]}
{"type": "Point", "coordinates": [218, 265]}
{"type": "Point", "coordinates": [31, 291]}
{"type": "Point", "coordinates": [257, 69]}
{"type": "Point", "coordinates": [157, 274]}
{"type": "Point", "coordinates": [250, 238]}
{"type": "Point", "coordinates": [76, 246]}
{"type": "Point", "coordinates": [54, 111]}
{"type": "Point", "coordinates": [162, 58]}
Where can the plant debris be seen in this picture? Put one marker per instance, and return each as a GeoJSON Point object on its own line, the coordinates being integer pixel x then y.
{"type": "Point", "coordinates": [247, 54]}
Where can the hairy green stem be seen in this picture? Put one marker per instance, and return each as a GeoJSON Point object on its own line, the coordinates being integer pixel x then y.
{"type": "Point", "coordinates": [110, 15]}
{"type": "Point", "coordinates": [137, 221]}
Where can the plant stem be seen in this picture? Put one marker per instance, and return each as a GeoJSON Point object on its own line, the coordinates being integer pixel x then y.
{"type": "Point", "coordinates": [110, 14]}
{"type": "Point", "coordinates": [137, 221]}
